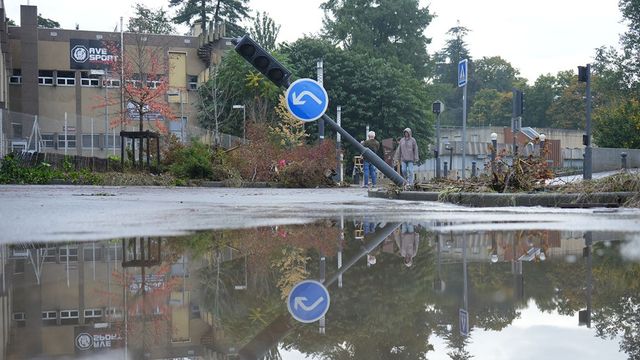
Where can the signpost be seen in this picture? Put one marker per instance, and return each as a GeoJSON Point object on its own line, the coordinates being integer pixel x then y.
{"type": "Point", "coordinates": [308, 301]}
{"type": "Point", "coordinates": [307, 100]}
{"type": "Point", "coordinates": [462, 82]}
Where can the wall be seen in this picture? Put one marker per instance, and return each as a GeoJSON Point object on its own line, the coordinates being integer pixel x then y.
{"type": "Point", "coordinates": [608, 159]}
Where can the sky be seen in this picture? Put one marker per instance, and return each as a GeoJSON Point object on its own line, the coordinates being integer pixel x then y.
{"type": "Point", "coordinates": [537, 36]}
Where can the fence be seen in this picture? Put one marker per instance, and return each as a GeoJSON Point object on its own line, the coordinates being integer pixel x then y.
{"type": "Point", "coordinates": [60, 161]}
{"type": "Point", "coordinates": [85, 136]}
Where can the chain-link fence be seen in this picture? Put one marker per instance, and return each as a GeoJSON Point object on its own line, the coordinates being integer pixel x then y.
{"type": "Point", "coordinates": [86, 136]}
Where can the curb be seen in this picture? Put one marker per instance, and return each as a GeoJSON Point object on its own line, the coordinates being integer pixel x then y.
{"type": "Point", "coordinates": [583, 200]}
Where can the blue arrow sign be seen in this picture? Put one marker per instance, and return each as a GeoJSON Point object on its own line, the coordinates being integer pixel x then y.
{"type": "Point", "coordinates": [308, 301]}
{"type": "Point", "coordinates": [462, 73]}
{"type": "Point", "coordinates": [307, 100]}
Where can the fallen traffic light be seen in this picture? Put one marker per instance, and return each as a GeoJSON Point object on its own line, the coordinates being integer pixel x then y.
{"type": "Point", "coordinates": [262, 60]}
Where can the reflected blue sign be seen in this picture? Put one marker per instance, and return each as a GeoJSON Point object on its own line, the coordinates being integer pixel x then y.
{"type": "Point", "coordinates": [307, 100]}
{"type": "Point", "coordinates": [308, 301]}
{"type": "Point", "coordinates": [464, 322]}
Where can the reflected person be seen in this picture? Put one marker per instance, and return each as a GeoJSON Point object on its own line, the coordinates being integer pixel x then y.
{"type": "Point", "coordinates": [407, 239]}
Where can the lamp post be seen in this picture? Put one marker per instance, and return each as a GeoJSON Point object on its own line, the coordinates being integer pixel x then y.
{"type": "Point", "coordinates": [543, 139]}
{"type": "Point", "coordinates": [244, 121]}
{"type": "Point", "coordinates": [437, 108]}
{"type": "Point", "coordinates": [450, 148]}
{"type": "Point", "coordinates": [494, 149]}
{"type": "Point", "coordinates": [584, 75]}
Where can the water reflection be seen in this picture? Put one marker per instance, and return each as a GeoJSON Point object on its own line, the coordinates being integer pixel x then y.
{"type": "Point", "coordinates": [398, 290]}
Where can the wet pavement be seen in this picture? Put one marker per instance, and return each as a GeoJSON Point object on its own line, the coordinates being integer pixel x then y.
{"type": "Point", "coordinates": [134, 273]}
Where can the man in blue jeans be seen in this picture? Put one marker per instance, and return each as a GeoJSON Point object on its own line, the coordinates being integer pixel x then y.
{"type": "Point", "coordinates": [370, 170]}
{"type": "Point", "coordinates": [407, 154]}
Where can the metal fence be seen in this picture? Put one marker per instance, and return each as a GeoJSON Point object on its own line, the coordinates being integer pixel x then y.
{"type": "Point", "coordinates": [86, 136]}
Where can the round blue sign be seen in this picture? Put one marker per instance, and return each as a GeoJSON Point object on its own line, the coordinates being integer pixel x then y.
{"type": "Point", "coordinates": [308, 301]}
{"type": "Point", "coordinates": [307, 100]}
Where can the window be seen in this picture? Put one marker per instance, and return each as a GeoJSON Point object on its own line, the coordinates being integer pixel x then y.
{"type": "Point", "coordinates": [71, 141]}
{"type": "Point", "coordinates": [68, 252]}
{"type": "Point", "coordinates": [47, 140]}
{"type": "Point", "coordinates": [66, 78]}
{"type": "Point", "coordinates": [92, 253]}
{"type": "Point", "coordinates": [51, 255]}
{"type": "Point", "coordinates": [113, 313]}
{"type": "Point", "coordinates": [16, 78]}
{"type": "Point", "coordinates": [45, 77]}
{"type": "Point", "coordinates": [92, 315]}
{"type": "Point", "coordinates": [69, 317]}
{"type": "Point", "coordinates": [115, 253]}
{"type": "Point", "coordinates": [153, 84]}
{"type": "Point", "coordinates": [192, 82]}
{"type": "Point", "coordinates": [20, 319]}
{"type": "Point", "coordinates": [86, 79]}
{"type": "Point", "coordinates": [86, 140]}
{"type": "Point", "coordinates": [113, 83]}
{"type": "Point", "coordinates": [49, 318]}
{"type": "Point", "coordinates": [110, 141]}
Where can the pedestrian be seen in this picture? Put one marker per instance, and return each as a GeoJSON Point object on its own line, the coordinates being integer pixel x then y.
{"type": "Point", "coordinates": [369, 170]}
{"type": "Point", "coordinates": [407, 155]}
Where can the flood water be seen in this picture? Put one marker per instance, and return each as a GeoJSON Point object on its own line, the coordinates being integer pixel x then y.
{"type": "Point", "coordinates": [398, 290]}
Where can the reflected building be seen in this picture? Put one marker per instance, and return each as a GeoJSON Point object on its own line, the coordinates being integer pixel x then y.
{"type": "Point", "coordinates": [76, 299]}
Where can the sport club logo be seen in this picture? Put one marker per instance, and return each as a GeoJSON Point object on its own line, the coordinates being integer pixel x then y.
{"type": "Point", "coordinates": [79, 53]}
{"type": "Point", "coordinates": [84, 341]}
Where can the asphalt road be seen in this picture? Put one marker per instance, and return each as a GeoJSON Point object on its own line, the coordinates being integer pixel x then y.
{"type": "Point", "coordinates": [76, 213]}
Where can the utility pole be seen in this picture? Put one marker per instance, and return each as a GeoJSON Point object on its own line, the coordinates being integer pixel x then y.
{"type": "Point", "coordinates": [320, 69]}
{"type": "Point", "coordinates": [584, 75]}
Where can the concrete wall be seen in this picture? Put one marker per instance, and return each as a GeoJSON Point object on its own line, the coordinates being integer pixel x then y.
{"type": "Point", "coordinates": [607, 159]}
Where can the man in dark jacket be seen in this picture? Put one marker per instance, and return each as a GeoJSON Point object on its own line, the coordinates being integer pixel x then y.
{"type": "Point", "coordinates": [369, 169]}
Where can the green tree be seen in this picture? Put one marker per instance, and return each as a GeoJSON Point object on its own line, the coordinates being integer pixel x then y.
{"type": "Point", "coordinates": [496, 73]}
{"type": "Point", "coordinates": [386, 29]}
{"type": "Point", "coordinates": [151, 21]}
{"type": "Point", "coordinates": [490, 107]}
{"type": "Point", "coordinates": [447, 59]}
{"type": "Point", "coordinates": [47, 23]}
{"type": "Point", "coordinates": [265, 31]}
{"type": "Point", "coordinates": [229, 11]}
{"type": "Point", "coordinates": [618, 126]}
{"type": "Point", "coordinates": [371, 91]}
{"type": "Point", "coordinates": [568, 109]}
{"type": "Point", "coordinates": [538, 99]}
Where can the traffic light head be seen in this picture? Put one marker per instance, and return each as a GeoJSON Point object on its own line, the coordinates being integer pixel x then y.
{"type": "Point", "coordinates": [518, 103]}
{"type": "Point", "coordinates": [262, 60]}
{"type": "Point", "coordinates": [583, 73]}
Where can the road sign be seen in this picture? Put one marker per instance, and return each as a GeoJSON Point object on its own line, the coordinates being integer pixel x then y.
{"type": "Point", "coordinates": [308, 301]}
{"type": "Point", "coordinates": [462, 73]}
{"type": "Point", "coordinates": [307, 100]}
{"type": "Point", "coordinates": [464, 322]}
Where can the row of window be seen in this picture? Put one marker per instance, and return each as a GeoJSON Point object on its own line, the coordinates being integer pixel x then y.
{"type": "Point", "coordinates": [51, 141]}
{"type": "Point", "coordinates": [67, 78]}
{"type": "Point", "coordinates": [70, 317]}
{"type": "Point", "coordinates": [70, 253]}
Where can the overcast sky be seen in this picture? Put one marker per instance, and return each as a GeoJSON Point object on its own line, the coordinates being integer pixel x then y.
{"type": "Point", "coordinates": [536, 36]}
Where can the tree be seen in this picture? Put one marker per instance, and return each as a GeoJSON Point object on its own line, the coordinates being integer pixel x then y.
{"type": "Point", "coordinates": [490, 107]}
{"type": "Point", "coordinates": [289, 131]}
{"type": "Point", "coordinates": [538, 99]}
{"type": "Point", "coordinates": [47, 23]}
{"type": "Point", "coordinates": [496, 73]}
{"type": "Point", "coordinates": [229, 11]}
{"type": "Point", "coordinates": [386, 29]}
{"type": "Point", "coordinates": [371, 91]}
{"type": "Point", "coordinates": [618, 126]}
{"type": "Point", "coordinates": [447, 59]}
{"type": "Point", "coordinates": [265, 31]}
{"type": "Point", "coordinates": [568, 109]}
{"type": "Point", "coordinates": [147, 20]}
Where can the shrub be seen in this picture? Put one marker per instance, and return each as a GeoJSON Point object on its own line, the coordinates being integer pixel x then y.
{"type": "Point", "coordinates": [192, 162]}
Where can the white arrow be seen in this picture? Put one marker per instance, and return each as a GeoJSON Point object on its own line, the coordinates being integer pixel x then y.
{"type": "Point", "coordinates": [299, 301]}
{"type": "Point", "coordinates": [297, 99]}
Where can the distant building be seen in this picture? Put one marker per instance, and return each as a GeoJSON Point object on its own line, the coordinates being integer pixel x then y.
{"type": "Point", "coordinates": [60, 74]}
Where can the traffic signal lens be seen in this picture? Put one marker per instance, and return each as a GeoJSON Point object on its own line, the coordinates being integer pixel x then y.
{"type": "Point", "coordinates": [261, 62]}
{"type": "Point", "coordinates": [275, 74]}
{"type": "Point", "coordinates": [247, 50]}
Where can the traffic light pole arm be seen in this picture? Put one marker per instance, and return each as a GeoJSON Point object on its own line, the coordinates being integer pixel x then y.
{"type": "Point", "coordinates": [366, 152]}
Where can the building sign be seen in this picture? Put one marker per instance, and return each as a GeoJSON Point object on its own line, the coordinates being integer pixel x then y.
{"type": "Point", "coordinates": [89, 339]}
{"type": "Point", "coordinates": [91, 54]}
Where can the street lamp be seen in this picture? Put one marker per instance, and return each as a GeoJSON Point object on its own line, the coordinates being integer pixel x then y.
{"type": "Point", "coordinates": [494, 149]}
{"type": "Point", "coordinates": [543, 137]}
{"type": "Point", "coordinates": [450, 148]}
{"type": "Point", "coordinates": [244, 121]}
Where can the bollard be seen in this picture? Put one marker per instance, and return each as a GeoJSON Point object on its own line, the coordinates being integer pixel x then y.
{"type": "Point", "coordinates": [446, 169]}
{"type": "Point", "coordinates": [473, 169]}
{"type": "Point", "coordinates": [623, 159]}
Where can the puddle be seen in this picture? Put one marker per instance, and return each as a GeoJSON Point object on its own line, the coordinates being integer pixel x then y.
{"type": "Point", "coordinates": [398, 290]}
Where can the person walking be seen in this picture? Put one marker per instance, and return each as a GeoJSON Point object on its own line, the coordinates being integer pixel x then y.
{"type": "Point", "coordinates": [407, 155]}
{"type": "Point", "coordinates": [369, 170]}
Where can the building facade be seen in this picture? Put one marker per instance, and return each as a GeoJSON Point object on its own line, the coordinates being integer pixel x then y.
{"type": "Point", "coordinates": [66, 82]}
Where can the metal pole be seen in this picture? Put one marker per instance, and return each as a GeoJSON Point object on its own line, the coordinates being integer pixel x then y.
{"type": "Point", "coordinates": [366, 153]}
{"type": "Point", "coordinates": [121, 60]}
{"type": "Point", "coordinates": [464, 128]}
{"type": "Point", "coordinates": [181, 117]}
{"type": "Point", "coordinates": [494, 151]}
{"type": "Point", "coordinates": [320, 69]}
{"type": "Point", "coordinates": [587, 150]}
{"type": "Point", "coordinates": [623, 158]}
{"type": "Point", "coordinates": [244, 123]}
{"type": "Point", "coordinates": [91, 137]}
{"type": "Point", "coordinates": [106, 114]}
{"type": "Point", "coordinates": [65, 133]}
{"type": "Point", "coordinates": [437, 152]}
{"type": "Point", "coordinates": [1, 134]}
{"type": "Point", "coordinates": [339, 145]}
